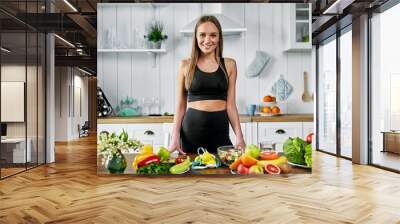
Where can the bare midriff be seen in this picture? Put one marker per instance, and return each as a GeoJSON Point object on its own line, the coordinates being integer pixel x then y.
{"type": "Point", "coordinates": [208, 105]}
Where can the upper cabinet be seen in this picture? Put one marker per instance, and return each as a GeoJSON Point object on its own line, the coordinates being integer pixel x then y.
{"type": "Point", "coordinates": [298, 30]}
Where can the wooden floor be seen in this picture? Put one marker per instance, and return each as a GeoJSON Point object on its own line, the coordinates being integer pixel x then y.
{"type": "Point", "coordinates": [69, 191]}
{"type": "Point", "coordinates": [387, 159]}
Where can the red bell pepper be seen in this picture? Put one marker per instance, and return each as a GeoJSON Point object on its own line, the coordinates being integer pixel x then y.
{"type": "Point", "coordinates": [148, 160]}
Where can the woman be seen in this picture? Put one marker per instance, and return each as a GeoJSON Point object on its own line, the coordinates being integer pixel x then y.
{"type": "Point", "coordinates": [206, 84]}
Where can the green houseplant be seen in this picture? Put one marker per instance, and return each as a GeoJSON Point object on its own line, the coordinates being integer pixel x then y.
{"type": "Point", "coordinates": [112, 148]}
{"type": "Point", "coordinates": [155, 34]}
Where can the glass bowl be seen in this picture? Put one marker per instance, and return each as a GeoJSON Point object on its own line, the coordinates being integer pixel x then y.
{"type": "Point", "coordinates": [228, 154]}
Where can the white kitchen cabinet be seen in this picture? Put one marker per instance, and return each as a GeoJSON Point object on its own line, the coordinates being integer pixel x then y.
{"type": "Point", "coordinates": [246, 130]}
{"type": "Point", "coordinates": [117, 128]}
{"type": "Point", "coordinates": [298, 29]}
{"type": "Point", "coordinates": [151, 133]}
{"type": "Point", "coordinates": [278, 132]}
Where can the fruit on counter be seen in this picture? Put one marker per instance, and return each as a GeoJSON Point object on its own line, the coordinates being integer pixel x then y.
{"type": "Point", "coordinates": [266, 109]}
{"type": "Point", "coordinates": [235, 164]}
{"type": "Point", "coordinates": [268, 98]}
{"type": "Point", "coordinates": [285, 168]}
{"type": "Point", "coordinates": [280, 160]}
{"type": "Point", "coordinates": [273, 99]}
{"type": "Point", "coordinates": [163, 153]}
{"type": "Point", "coordinates": [253, 151]}
{"type": "Point", "coordinates": [275, 110]}
{"type": "Point", "coordinates": [181, 167]}
{"type": "Point", "coordinates": [147, 149]}
{"type": "Point", "coordinates": [242, 169]}
{"type": "Point", "coordinates": [148, 160]}
{"type": "Point", "coordinates": [309, 138]}
{"type": "Point", "coordinates": [247, 160]}
{"type": "Point", "coordinates": [272, 169]}
{"type": "Point", "coordinates": [269, 155]}
{"type": "Point", "coordinates": [256, 169]}
{"type": "Point", "coordinates": [179, 160]}
{"type": "Point", "coordinates": [139, 158]}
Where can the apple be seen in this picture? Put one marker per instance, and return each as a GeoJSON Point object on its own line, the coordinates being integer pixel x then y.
{"type": "Point", "coordinates": [253, 151]}
{"type": "Point", "coordinates": [256, 169]}
{"type": "Point", "coordinates": [242, 169]}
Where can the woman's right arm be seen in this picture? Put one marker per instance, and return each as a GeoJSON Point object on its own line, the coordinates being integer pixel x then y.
{"type": "Point", "coordinates": [180, 109]}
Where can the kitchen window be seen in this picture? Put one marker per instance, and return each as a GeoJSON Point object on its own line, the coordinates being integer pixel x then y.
{"type": "Point", "coordinates": [327, 96]}
{"type": "Point", "coordinates": [385, 89]}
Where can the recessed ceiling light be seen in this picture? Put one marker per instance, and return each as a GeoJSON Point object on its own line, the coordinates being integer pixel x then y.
{"type": "Point", "coordinates": [5, 50]}
{"type": "Point", "coordinates": [64, 40]}
{"type": "Point", "coordinates": [70, 5]}
{"type": "Point", "coordinates": [84, 71]}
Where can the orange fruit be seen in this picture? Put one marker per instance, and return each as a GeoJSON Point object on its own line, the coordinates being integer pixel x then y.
{"type": "Point", "coordinates": [273, 99]}
{"type": "Point", "coordinates": [235, 164]}
{"type": "Point", "coordinates": [247, 160]}
{"type": "Point", "coordinates": [276, 110]}
{"type": "Point", "coordinates": [266, 109]}
{"type": "Point", "coordinates": [267, 98]}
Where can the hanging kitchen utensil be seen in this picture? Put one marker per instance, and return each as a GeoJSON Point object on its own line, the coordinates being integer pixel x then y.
{"type": "Point", "coordinates": [259, 63]}
{"type": "Point", "coordinates": [306, 97]}
{"type": "Point", "coordinates": [281, 89]}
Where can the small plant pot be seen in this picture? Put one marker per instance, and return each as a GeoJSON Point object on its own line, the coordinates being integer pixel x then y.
{"type": "Point", "coordinates": [117, 164]}
{"type": "Point", "coordinates": [154, 45]}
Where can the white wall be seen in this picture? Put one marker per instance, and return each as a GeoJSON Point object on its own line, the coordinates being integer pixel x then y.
{"type": "Point", "coordinates": [132, 74]}
{"type": "Point", "coordinates": [69, 81]}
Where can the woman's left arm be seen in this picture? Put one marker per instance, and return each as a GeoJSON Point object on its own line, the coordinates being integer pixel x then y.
{"type": "Point", "coordinates": [233, 113]}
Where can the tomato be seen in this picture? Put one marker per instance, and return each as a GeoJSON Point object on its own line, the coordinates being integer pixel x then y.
{"type": "Point", "coordinates": [179, 160]}
{"type": "Point", "coordinates": [309, 138]}
{"type": "Point", "coordinates": [269, 155]}
{"type": "Point", "coordinates": [242, 169]}
{"type": "Point", "coordinates": [272, 169]}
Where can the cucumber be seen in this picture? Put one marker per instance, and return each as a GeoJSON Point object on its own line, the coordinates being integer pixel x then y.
{"type": "Point", "coordinates": [181, 167]}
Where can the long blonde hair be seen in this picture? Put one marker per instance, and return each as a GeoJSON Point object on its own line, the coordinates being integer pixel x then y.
{"type": "Point", "coordinates": [196, 50]}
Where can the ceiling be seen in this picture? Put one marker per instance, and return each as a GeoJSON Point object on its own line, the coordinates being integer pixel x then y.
{"type": "Point", "coordinates": [76, 23]}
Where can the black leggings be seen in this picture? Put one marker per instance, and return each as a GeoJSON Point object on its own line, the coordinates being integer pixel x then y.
{"type": "Point", "coordinates": [205, 129]}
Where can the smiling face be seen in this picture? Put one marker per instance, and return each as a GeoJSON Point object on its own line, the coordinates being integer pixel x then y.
{"type": "Point", "coordinates": [207, 37]}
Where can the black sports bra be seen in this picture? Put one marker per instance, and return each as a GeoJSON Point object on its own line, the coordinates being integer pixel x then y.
{"type": "Point", "coordinates": [208, 85]}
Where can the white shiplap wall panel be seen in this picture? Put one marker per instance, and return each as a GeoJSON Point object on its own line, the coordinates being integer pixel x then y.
{"type": "Point", "coordinates": [167, 73]}
{"type": "Point", "coordinates": [253, 43]}
{"type": "Point", "coordinates": [234, 47]}
{"type": "Point", "coordinates": [265, 25]}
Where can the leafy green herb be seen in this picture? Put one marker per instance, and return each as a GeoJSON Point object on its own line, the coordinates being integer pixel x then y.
{"type": "Point", "coordinates": [155, 169]}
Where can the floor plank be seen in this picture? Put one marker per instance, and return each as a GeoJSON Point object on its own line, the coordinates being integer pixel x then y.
{"type": "Point", "coordinates": [69, 191]}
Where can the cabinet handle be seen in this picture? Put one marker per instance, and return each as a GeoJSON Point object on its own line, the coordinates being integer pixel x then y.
{"type": "Point", "coordinates": [149, 132]}
{"type": "Point", "coordinates": [280, 131]}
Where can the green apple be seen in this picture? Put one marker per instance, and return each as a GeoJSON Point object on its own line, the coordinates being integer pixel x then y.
{"type": "Point", "coordinates": [253, 151]}
{"type": "Point", "coordinates": [256, 169]}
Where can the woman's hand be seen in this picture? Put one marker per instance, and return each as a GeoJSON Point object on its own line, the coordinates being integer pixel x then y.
{"type": "Point", "coordinates": [240, 144]}
{"type": "Point", "coordinates": [176, 145]}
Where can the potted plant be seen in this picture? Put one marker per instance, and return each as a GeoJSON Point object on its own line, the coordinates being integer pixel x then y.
{"type": "Point", "coordinates": [155, 34]}
{"type": "Point", "coordinates": [112, 148]}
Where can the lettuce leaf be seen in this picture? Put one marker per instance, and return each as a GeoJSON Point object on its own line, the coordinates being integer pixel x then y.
{"type": "Point", "coordinates": [294, 149]}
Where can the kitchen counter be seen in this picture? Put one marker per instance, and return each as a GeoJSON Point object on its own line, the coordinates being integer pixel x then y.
{"type": "Point", "coordinates": [102, 171]}
{"type": "Point", "coordinates": [243, 119]}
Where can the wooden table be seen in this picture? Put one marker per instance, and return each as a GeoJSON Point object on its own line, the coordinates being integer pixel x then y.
{"type": "Point", "coordinates": [223, 170]}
